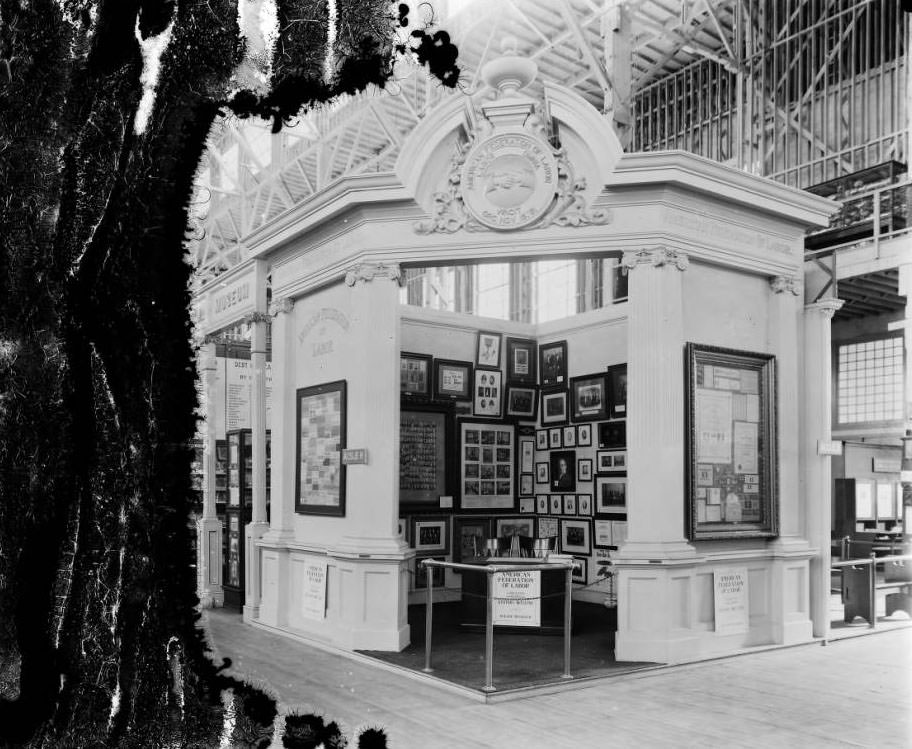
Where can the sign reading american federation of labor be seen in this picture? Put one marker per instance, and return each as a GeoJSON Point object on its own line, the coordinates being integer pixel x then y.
{"type": "Point", "coordinates": [509, 180]}
{"type": "Point", "coordinates": [517, 598]}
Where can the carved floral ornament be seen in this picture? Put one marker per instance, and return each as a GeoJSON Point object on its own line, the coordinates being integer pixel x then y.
{"type": "Point", "coordinates": [782, 284]}
{"type": "Point", "coordinates": [281, 305]}
{"type": "Point", "coordinates": [366, 272]}
{"type": "Point", "coordinates": [655, 257]}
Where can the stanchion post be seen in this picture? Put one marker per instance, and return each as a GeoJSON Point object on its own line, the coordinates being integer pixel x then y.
{"type": "Point", "coordinates": [489, 635]}
{"type": "Point", "coordinates": [567, 621]}
{"type": "Point", "coordinates": [872, 581]}
{"type": "Point", "coordinates": [428, 617]}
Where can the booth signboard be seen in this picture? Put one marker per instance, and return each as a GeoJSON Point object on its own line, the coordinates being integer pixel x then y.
{"type": "Point", "coordinates": [730, 601]}
{"type": "Point", "coordinates": [313, 597]}
{"type": "Point", "coordinates": [517, 598]}
{"type": "Point", "coordinates": [731, 443]}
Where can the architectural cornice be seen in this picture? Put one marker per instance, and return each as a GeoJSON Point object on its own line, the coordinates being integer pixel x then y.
{"type": "Point", "coordinates": [369, 271]}
{"type": "Point", "coordinates": [656, 257]}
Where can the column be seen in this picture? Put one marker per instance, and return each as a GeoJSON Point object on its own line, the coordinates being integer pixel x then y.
{"type": "Point", "coordinates": [209, 527]}
{"type": "Point", "coordinates": [816, 426]}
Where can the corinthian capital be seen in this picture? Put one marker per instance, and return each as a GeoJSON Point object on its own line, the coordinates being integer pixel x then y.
{"type": "Point", "coordinates": [782, 284]}
{"type": "Point", "coordinates": [369, 271]}
{"type": "Point", "coordinates": [656, 257]}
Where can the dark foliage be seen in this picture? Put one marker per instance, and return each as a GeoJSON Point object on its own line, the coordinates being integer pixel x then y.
{"type": "Point", "coordinates": [99, 643]}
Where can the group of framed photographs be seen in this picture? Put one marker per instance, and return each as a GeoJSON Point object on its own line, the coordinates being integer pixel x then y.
{"type": "Point", "coordinates": [593, 397]}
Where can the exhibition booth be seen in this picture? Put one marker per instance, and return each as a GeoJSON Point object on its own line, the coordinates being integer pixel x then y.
{"type": "Point", "coordinates": [664, 431]}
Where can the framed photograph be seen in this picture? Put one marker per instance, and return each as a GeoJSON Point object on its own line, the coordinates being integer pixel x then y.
{"type": "Point", "coordinates": [575, 537]}
{"type": "Point", "coordinates": [470, 537]}
{"type": "Point", "coordinates": [541, 504]}
{"type": "Point", "coordinates": [319, 473]}
{"type": "Point", "coordinates": [610, 461]}
{"type": "Point", "coordinates": [526, 488]}
{"type": "Point", "coordinates": [438, 574]}
{"type": "Point", "coordinates": [563, 475]}
{"type": "Point", "coordinates": [522, 402]}
{"type": "Point", "coordinates": [584, 504]}
{"type": "Point", "coordinates": [552, 363]}
{"type": "Point", "coordinates": [547, 528]}
{"type": "Point", "coordinates": [541, 473]}
{"type": "Point", "coordinates": [557, 504]}
{"type": "Point", "coordinates": [569, 504]}
{"type": "Point", "coordinates": [415, 374]}
{"type": "Point", "coordinates": [589, 397]}
{"type": "Point", "coordinates": [612, 435]}
{"type": "Point", "coordinates": [555, 439]}
{"type": "Point", "coordinates": [584, 469]}
{"type": "Point", "coordinates": [487, 465]}
{"type": "Point", "coordinates": [506, 527]}
{"type": "Point", "coordinates": [423, 438]}
{"type": "Point", "coordinates": [430, 534]}
{"type": "Point", "coordinates": [584, 435]}
{"type": "Point", "coordinates": [487, 351]}
{"type": "Point", "coordinates": [730, 437]}
{"type": "Point", "coordinates": [602, 537]}
{"type": "Point", "coordinates": [580, 574]}
{"type": "Point", "coordinates": [527, 505]}
{"type": "Point", "coordinates": [526, 453]}
{"type": "Point", "coordinates": [521, 361]}
{"type": "Point", "coordinates": [610, 494]}
{"type": "Point", "coordinates": [554, 407]}
{"type": "Point", "coordinates": [570, 436]}
{"type": "Point", "coordinates": [488, 393]}
{"type": "Point", "coordinates": [617, 391]}
{"type": "Point", "coordinates": [541, 439]}
{"type": "Point", "coordinates": [452, 379]}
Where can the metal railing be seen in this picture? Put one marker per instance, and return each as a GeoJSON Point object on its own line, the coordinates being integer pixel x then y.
{"type": "Point", "coordinates": [491, 570]}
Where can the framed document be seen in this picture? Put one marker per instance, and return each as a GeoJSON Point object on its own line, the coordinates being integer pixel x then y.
{"type": "Point", "coordinates": [320, 473]}
{"type": "Point", "coordinates": [521, 361]}
{"type": "Point", "coordinates": [423, 437]}
{"type": "Point", "coordinates": [452, 379]}
{"type": "Point", "coordinates": [731, 443]}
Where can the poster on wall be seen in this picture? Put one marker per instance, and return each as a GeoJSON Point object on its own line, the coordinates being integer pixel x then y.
{"type": "Point", "coordinates": [320, 479]}
{"type": "Point", "coordinates": [517, 598]}
{"type": "Point", "coordinates": [238, 389]}
{"type": "Point", "coordinates": [313, 597]}
{"type": "Point", "coordinates": [487, 465]}
{"type": "Point", "coordinates": [730, 602]}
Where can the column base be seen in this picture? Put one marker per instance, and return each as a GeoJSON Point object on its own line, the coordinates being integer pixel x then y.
{"type": "Point", "coordinates": [252, 575]}
{"type": "Point", "coordinates": [209, 562]}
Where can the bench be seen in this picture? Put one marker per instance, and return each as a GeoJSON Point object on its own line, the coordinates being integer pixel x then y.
{"type": "Point", "coordinates": [856, 590]}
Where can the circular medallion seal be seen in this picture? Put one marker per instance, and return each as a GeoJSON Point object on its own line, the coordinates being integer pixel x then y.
{"type": "Point", "coordinates": [509, 180]}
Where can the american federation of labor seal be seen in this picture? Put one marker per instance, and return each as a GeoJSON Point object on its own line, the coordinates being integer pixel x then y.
{"type": "Point", "coordinates": [509, 180]}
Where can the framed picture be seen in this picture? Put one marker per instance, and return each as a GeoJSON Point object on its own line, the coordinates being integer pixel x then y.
{"type": "Point", "coordinates": [555, 439]}
{"type": "Point", "coordinates": [610, 494]}
{"type": "Point", "coordinates": [487, 352]}
{"type": "Point", "coordinates": [415, 374]}
{"type": "Point", "coordinates": [602, 534]}
{"type": "Point", "coordinates": [557, 504]}
{"type": "Point", "coordinates": [552, 363]}
{"type": "Point", "coordinates": [617, 391]}
{"type": "Point", "coordinates": [541, 439]}
{"type": "Point", "coordinates": [580, 574]}
{"type": "Point", "coordinates": [526, 488]}
{"type": "Point", "coordinates": [526, 453]}
{"type": "Point", "coordinates": [569, 504]}
{"type": "Point", "coordinates": [554, 407]}
{"type": "Point", "coordinates": [515, 527]}
{"type": "Point", "coordinates": [319, 472]}
{"type": "Point", "coordinates": [438, 576]}
{"type": "Point", "coordinates": [521, 361]}
{"type": "Point", "coordinates": [584, 504]}
{"type": "Point", "coordinates": [575, 536]}
{"type": "Point", "coordinates": [522, 402]}
{"type": "Point", "coordinates": [423, 438]}
{"type": "Point", "coordinates": [584, 435]}
{"type": "Point", "coordinates": [430, 534]}
{"type": "Point", "coordinates": [612, 435]}
{"type": "Point", "coordinates": [547, 528]}
{"type": "Point", "coordinates": [488, 393]}
{"type": "Point", "coordinates": [584, 469]}
{"type": "Point", "coordinates": [730, 443]}
{"type": "Point", "coordinates": [452, 379]}
{"type": "Point", "coordinates": [470, 537]}
{"type": "Point", "coordinates": [541, 504]}
{"type": "Point", "coordinates": [570, 436]}
{"type": "Point", "coordinates": [864, 500]}
{"type": "Point", "coordinates": [541, 473]}
{"type": "Point", "coordinates": [589, 397]}
{"type": "Point", "coordinates": [487, 465]}
{"type": "Point", "coordinates": [563, 476]}
{"type": "Point", "coordinates": [526, 505]}
{"type": "Point", "coordinates": [610, 461]}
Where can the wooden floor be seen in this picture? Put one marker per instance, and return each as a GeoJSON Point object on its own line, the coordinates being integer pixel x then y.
{"type": "Point", "coordinates": [852, 692]}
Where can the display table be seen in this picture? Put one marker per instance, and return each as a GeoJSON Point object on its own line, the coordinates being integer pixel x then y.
{"type": "Point", "coordinates": [550, 605]}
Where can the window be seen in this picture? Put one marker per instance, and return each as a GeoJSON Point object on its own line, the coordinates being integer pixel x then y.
{"type": "Point", "coordinates": [869, 379]}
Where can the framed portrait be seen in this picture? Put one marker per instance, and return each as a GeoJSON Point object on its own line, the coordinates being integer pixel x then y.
{"type": "Point", "coordinates": [521, 361]}
{"type": "Point", "coordinates": [555, 438]}
{"type": "Point", "coordinates": [430, 534]}
{"type": "Point", "coordinates": [580, 574]}
{"type": "Point", "coordinates": [541, 439]}
{"type": "Point", "coordinates": [487, 350]}
{"type": "Point", "coordinates": [612, 435]}
{"type": "Point", "coordinates": [589, 397]}
{"type": "Point", "coordinates": [486, 465]}
{"type": "Point", "coordinates": [552, 363]}
{"type": "Point", "coordinates": [506, 527]}
{"type": "Point", "coordinates": [526, 488]}
{"type": "Point", "coordinates": [470, 537]}
{"type": "Point", "coordinates": [584, 504]}
{"type": "Point", "coordinates": [617, 391]}
{"type": "Point", "coordinates": [569, 504]}
{"type": "Point", "coordinates": [415, 374]}
{"type": "Point", "coordinates": [522, 402]}
{"type": "Point", "coordinates": [575, 536]}
{"type": "Point", "coordinates": [563, 473]}
{"type": "Point", "coordinates": [584, 435]}
{"type": "Point", "coordinates": [452, 379]}
{"type": "Point", "coordinates": [541, 473]}
{"type": "Point", "coordinates": [557, 504]}
{"type": "Point", "coordinates": [423, 465]}
{"type": "Point", "coordinates": [584, 469]}
{"type": "Point", "coordinates": [570, 436]}
{"type": "Point", "coordinates": [610, 494]}
{"type": "Point", "coordinates": [319, 472]}
{"type": "Point", "coordinates": [610, 461]}
{"type": "Point", "coordinates": [602, 534]}
{"type": "Point", "coordinates": [553, 407]}
{"type": "Point", "coordinates": [730, 440]}
{"type": "Point", "coordinates": [547, 528]}
{"type": "Point", "coordinates": [438, 574]}
{"type": "Point", "coordinates": [541, 504]}
{"type": "Point", "coordinates": [488, 393]}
